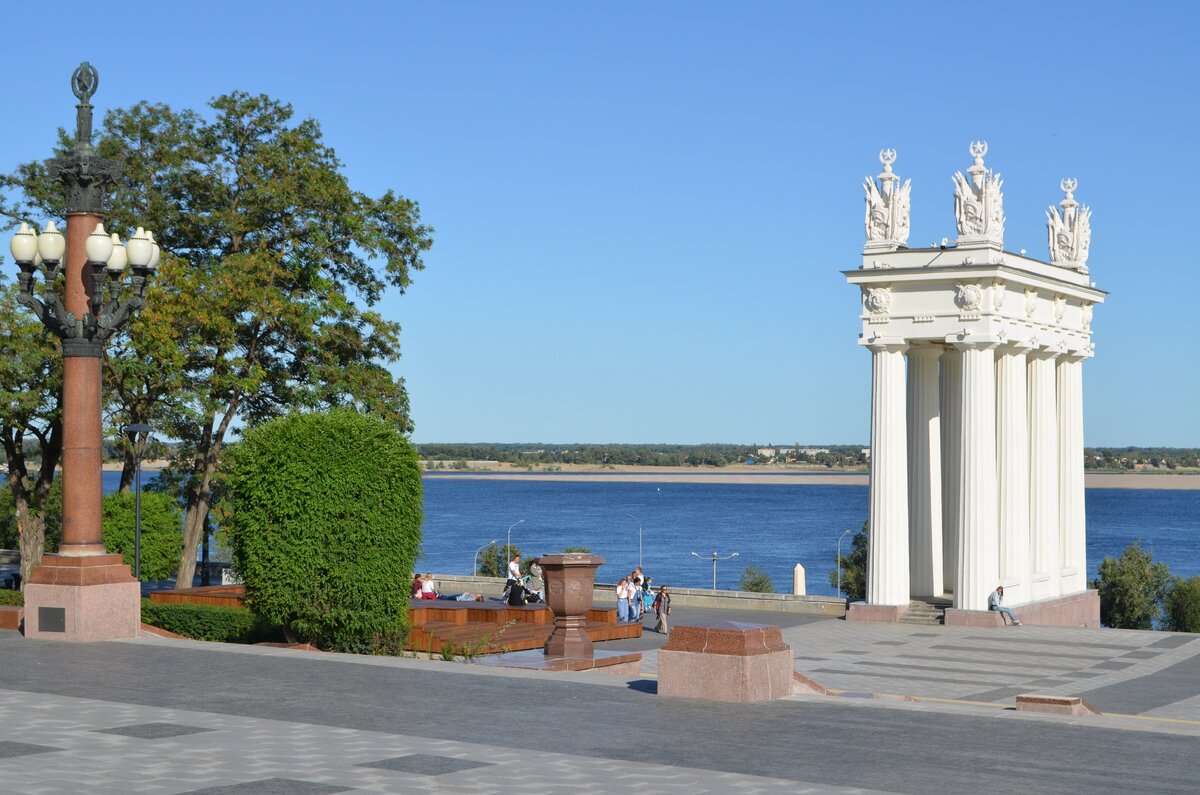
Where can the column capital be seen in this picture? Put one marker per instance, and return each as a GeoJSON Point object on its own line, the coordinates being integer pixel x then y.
{"type": "Point", "coordinates": [1079, 354]}
{"type": "Point", "coordinates": [1016, 347]}
{"type": "Point", "coordinates": [965, 341]}
{"type": "Point", "coordinates": [1051, 351]}
{"type": "Point", "coordinates": [926, 350]}
{"type": "Point", "coordinates": [881, 344]}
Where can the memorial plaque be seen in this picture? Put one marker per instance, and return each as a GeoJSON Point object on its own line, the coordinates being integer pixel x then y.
{"type": "Point", "coordinates": [52, 619]}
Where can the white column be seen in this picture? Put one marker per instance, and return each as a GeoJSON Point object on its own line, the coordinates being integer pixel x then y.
{"type": "Point", "coordinates": [924, 472]}
{"type": "Point", "coordinates": [1012, 470]}
{"type": "Point", "coordinates": [887, 556]}
{"type": "Point", "coordinates": [1071, 519]}
{"type": "Point", "coordinates": [951, 428]}
{"type": "Point", "coordinates": [1043, 474]}
{"type": "Point", "coordinates": [978, 530]}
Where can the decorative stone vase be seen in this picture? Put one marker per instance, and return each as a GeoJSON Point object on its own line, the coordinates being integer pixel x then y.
{"type": "Point", "coordinates": [569, 581]}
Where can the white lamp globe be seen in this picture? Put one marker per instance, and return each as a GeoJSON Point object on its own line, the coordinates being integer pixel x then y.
{"type": "Point", "coordinates": [51, 244]}
{"type": "Point", "coordinates": [139, 249]}
{"type": "Point", "coordinates": [24, 244]}
{"type": "Point", "coordinates": [99, 245]}
{"type": "Point", "coordinates": [153, 264]}
{"type": "Point", "coordinates": [117, 260]}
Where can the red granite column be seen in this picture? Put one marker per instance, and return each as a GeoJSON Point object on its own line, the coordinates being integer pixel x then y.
{"type": "Point", "coordinates": [82, 443]}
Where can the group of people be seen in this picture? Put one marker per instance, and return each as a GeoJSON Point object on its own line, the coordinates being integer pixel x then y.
{"type": "Point", "coordinates": [424, 588]}
{"type": "Point", "coordinates": [521, 588]}
{"type": "Point", "coordinates": [636, 597]}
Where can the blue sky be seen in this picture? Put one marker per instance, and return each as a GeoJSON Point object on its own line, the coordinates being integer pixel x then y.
{"type": "Point", "coordinates": [642, 209]}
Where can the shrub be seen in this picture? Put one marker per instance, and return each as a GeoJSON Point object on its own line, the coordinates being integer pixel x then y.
{"type": "Point", "coordinates": [323, 515]}
{"type": "Point", "coordinates": [756, 580]}
{"type": "Point", "coordinates": [1183, 605]}
{"type": "Point", "coordinates": [162, 531]}
{"type": "Point", "coordinates": [1132, 588]}
{"type": "Point", "coordinates": [210, 622]}
{"type": "Point", "coordinates": [8, 597]}
{"type": "Point", "coordinates": [493, 560]}
{"type": "Point", "coordinates": [854, 567]}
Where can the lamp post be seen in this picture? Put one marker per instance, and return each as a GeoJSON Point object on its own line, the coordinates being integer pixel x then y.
{"type": "Point", "coordinates": [639, 521]}
{"type": "Point", "coordinates": [714, 563]}
{"type": "Point", "coordinates": [84, 300]}
{"type": "Point", "coordinates": [839, 561]}
{"type": "Point", "coordinates": [133, 432]}
{"type": "Point", "coordinates": [508, 548]}
{"type": "Point", "coordinates": [475, 562]}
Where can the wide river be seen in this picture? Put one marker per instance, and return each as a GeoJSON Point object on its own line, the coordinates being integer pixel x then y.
{"type": "Point", "coordinates": [773, 527]}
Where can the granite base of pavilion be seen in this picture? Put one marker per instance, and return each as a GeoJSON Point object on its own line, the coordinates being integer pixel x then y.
{"type": "Point", "coordinates": [1076, 610]}
{"type": "Point", "coordinates": [725, 661]}
{"type": "Point", "coordinates": [620, 663]}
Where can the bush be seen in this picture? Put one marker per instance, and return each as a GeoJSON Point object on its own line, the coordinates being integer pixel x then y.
{"type": "Point", "coordinates": [1132, 588]}
{"type": "Point", "coordinates": [210, 622]}
{"type": "Point", "coordinates": [323, 515]}
{"type": "Point", "coordinates": [756, 580]}
{"type": "Point", "coordinates": [8, 597]}
{"type": "Point", "coordinates": [493, 560]}
{"type": "Point", "coordinates": [1183, 605]}
{"type": "Point", "coordinates": [854, 567]}
{"type": "Point", "coordinates": [162, 532]}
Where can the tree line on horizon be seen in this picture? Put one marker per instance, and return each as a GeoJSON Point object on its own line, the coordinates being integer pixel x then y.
{"type": "Point", "coordinates": [677, 455]}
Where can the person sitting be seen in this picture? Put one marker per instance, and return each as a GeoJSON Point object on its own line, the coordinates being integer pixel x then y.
{"type": "Point", "coordinates": [535, 583]}
{"type": "Point", "coordinates": [427, 589]}
{"type": "Point", "coordinates": [994, 599]}
{"type": "Point", "coordinates": [416, 586]}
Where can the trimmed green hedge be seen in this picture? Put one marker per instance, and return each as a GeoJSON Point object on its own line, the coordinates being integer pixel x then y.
{"type": "Point", "coordinates": [8, 597]}
{"type": "Point", "coordinates": [210, 622]}
{"type": "Point", "coordinates": [323, 514]}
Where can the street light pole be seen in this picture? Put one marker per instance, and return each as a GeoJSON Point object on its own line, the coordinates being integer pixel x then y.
{"type": "Point", "coordinates": [508, 548]}
{"type": "Point", "coordinates": [133, 432]}
{"type": "Point", "coordinates": [714, 563]}
{"type": "Point", "coordinates": [639, 521]}
{"type": "Point", "coordinates": [475, 562]}
{"type": "Point", "coordinates": [839, 562]}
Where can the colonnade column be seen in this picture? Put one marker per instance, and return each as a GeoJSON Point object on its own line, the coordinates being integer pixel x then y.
{"type": "Point", "coordinates": [1012, 469]}
{"type": "Point", "coordinates": [887, 556]}
{"type": "Point", "coordinates": [924, 472]}
{"type": "Point", "coordinates": [1043, 475]}
{"type": "Point", "coordinates": [951, 430]}
{"type": "Point", "coordinates": [978, 533]}
{"type": "Point", "coordinates": [1071, 521]}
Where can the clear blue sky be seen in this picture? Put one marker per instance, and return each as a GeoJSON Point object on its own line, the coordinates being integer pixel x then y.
{"type": "Point", "coordinates": [642, 209]}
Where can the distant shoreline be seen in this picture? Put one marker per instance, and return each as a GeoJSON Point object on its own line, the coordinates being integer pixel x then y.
{"type": "Point", "coordinates": [726, 475]}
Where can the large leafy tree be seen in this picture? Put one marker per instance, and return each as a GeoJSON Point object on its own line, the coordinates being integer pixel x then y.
{"type": "Point", "coordinates": [1132, 589]}
{"type": "Point", "coordinates": [263, 300]}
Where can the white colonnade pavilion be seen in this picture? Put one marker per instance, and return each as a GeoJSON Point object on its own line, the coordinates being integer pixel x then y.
{"type": "Point", "coordinates": [976, 401]}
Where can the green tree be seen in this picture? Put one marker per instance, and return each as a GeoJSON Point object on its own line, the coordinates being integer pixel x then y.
{"type": "Point", "coordinates": [1183, 605]}
{"type": "Point", "coordinates": [756, 580]}
{"type": "Point", "coordinates": [263, 299]}
{"type": "Point", "coordinates": [30, 421]}
{"type": "Point", "coordinates": [854, 567]}
{"type": "Point", "coordinates": [162, 526]}
{"type": "Point", "coordinates": [493, 560]}
{"type": "Point", "coordinates": [323, 513]}
{"type": "Point", "coordinates": [1132, 589]}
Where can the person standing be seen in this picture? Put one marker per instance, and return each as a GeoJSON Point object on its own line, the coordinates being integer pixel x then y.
{"type": "Point", "coordinates": [994, 599]}
{"type": "Point", "coordinates": [662, 609]}
{"type": "Point", "coordinates": [635, 598]}
{"type": "Point", "coordinates": [623, 600]}
{"type": "Point", "coordinates": [514, 569]}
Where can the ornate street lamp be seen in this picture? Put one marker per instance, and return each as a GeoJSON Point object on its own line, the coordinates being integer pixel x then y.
{"type": "Point", "coordinates": [81, 593]}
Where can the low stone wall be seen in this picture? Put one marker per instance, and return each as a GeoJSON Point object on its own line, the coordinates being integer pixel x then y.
{"type": "Point", "coordinates": [606, 595]}
{"type": "Point", "coordinates": [1076, 610]}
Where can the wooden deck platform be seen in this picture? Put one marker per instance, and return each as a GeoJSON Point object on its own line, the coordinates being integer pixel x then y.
{"type": "Point", "coordinates": [480, 627]}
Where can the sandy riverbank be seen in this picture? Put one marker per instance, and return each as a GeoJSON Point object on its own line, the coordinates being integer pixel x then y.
{"type": "Point", "coordinates": [782, 476]}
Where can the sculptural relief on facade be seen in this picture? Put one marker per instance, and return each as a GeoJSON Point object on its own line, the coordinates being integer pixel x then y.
{"type": "Point", "coordinates": [877, 300]}
{"type": "Point", "coordinates": [887, 213]}
{"type": "Point", "coordinates": [1070, 231]}
{"type": "Point", "coordinates": [998, 293]}
{"type": "Point", "coordinates": [1086, 316]}
{"type": "Point", "coordinates": [978, 201]}
{"type": "Point", "coordinates": [1030, 301]}
{"type": "Point", "coordinates": [1060, 307]}
{"type": "Point", "coordinates": [968, 297]}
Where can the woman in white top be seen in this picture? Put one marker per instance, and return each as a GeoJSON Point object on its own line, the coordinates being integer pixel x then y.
{"type": "Point", "coordinates": [623, 600]}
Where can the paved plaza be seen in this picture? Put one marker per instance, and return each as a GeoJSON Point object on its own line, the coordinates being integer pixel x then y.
{"type": "Point", "coordinates": [161, 716]}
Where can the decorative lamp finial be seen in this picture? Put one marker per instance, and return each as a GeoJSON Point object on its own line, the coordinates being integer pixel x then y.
{"type": "Point", "coordinates": [84, 82]}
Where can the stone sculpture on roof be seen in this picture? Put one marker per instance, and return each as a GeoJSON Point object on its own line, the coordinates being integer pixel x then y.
{"type": "Point", "coordinates": [978, 202]}
{"type": "Point", "coordinates": [887, 215]}
{"type": "Point", "coordinates": [1071, 231]}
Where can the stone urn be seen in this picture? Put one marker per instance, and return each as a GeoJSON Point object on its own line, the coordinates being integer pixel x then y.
{"type": "Point", "coordinates": [569, 580]}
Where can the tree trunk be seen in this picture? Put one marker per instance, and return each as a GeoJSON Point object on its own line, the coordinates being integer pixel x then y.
{"type": "Point", "coordinates": [32, 531]}
{"type": "Point", "coordinates": [199, 497]}
{"type": "Point", "coordinates": [128, 465]}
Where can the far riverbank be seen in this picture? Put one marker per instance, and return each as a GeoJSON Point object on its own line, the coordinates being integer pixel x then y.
{"type": "Point", "coordinates": [778, 476]}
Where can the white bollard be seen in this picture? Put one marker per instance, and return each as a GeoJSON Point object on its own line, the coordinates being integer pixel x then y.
{"type": "Point", "coordinates": [798, 581]}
